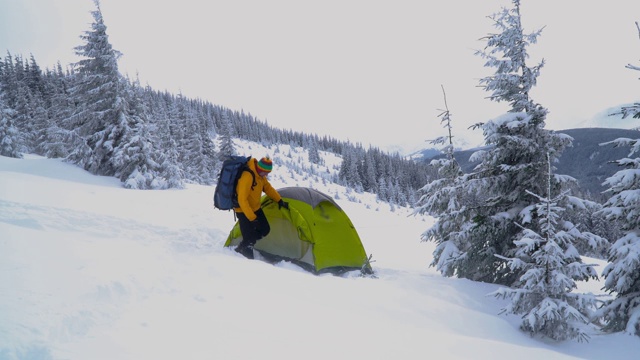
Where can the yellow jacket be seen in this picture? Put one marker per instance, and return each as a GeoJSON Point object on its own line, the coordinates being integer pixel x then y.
{"type": "Point", "coordinates": [248, 199]}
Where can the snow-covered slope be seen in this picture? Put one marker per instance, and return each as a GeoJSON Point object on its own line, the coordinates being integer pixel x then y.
{"type": "Point", "coordinates": [604, 119]}
{"type": "Point", "coordinates": [90, 270]}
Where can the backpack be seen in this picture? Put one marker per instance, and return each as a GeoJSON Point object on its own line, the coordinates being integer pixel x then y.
{"type": "Point", "coordinates": [225, 196]}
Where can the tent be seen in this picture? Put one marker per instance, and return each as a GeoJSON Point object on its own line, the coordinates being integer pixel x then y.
{"type": "Point", "coordinates": [314, 233]}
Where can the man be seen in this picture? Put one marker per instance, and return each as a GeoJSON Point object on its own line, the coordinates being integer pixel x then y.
{"type": "Point", "coordinates": [253, 223]}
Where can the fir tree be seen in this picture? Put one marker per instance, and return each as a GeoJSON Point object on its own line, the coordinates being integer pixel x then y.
{"type": "Point", "coordinates": [513, 162]}
{"type": "Point", "coordinates": [100, 118]}
{"type": "Point", "coordinates": [208, 155]}
{"type": "Point", "coordinates": [53, 143]}
{"type": "Point", "coordinates": [369, 170]}
{"type": "Point", "coordinates": [622, 274]}
{"type": "Point", "coordinates": [9, 81]}
{"type": "Point", "coordinates": [10, 140]}
{"type": "Point", "coordinates": [550, 266]}
{"type": "Point", "coordinates": [314, 154]}
{"type": "Point", "coordinates": [349, 169]}
{"type": "Point", "coordinates": [135, 157]}
{"type": "Point", "coordinates": [23, 108]}
{"type": "Point", "coordinates": [225, 141]}
{"type": "Point", "coordinates": [169, 169]}
{"type": "Point", "coordinates": [442, 198]}
{"type": "Point", "coordinates": [137, 168]}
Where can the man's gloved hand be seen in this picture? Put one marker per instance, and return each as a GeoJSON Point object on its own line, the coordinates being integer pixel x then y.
{"type": "Point", "coordinates": [283, 204]}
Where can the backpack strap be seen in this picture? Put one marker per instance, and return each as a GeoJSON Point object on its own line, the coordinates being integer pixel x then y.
{"type": "Point", "coordinates": [253, 175]}
{"type": "Point", "coordinates": [254, 183]}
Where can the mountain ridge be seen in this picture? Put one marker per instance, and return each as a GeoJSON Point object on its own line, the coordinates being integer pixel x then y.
{"type": "Point", "coordinates": [586, 160]}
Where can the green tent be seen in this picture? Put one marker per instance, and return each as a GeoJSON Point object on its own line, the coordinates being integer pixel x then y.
{"type": "Point", "coordinates": [314, 233]}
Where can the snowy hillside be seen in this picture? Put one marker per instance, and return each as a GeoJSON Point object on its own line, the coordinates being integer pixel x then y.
{"type": "Point", "coordinates": [90, 270]}
{"type": "Point", "coordinates": [605, 120]}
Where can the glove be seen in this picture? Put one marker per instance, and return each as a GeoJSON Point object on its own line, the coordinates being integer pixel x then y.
{"type": "Point", "coordinates": [283, 204]}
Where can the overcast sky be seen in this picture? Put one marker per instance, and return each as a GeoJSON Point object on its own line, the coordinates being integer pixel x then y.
{"type": "Point", "coordinates": [366, 71]}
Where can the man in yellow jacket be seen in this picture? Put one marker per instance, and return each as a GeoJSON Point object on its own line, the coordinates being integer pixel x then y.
{"type": "Point", "coordinates": [253, 223]}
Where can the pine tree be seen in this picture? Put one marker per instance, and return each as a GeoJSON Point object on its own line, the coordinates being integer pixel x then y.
{"type": "Point", "coordinates": [513, 161]}
{"type": "Point", "coordinates": [597, 230]}
{"type": "Point", "coordinates": [209, 157]}
{"type": "Point", "coordinates": [225, 140]}
{"type": "Point", "coordinates": [134, 159]}
{"type": "Point", "coordinates": [349, 169]}
{"type": "Point", "coordinates": [10, 139]}
{"type": "Point", "coordinates": [622, 273]}
{"type": "Point", "coordinates": [53, 142]}
{"type": "Point", "coordinates": [550, 266]}
{"type": "Point", "coordinates": [314, 154]}
{"type": "Point", "coordinates": [100, 118]}
{"type": "Point", "coordinates": [507, 52]}
{"type": "Point", "coordinates": [169, 168]}
{"type": "Point", "coordinates": [135, 162]}
{"type": "Point", "coordinates": [369, 170]}
{"type": "Point", "coordinates": [9, 81]}
{"type": "Point", "coordinates": [22, 103]}
{"type": "Point", "coordinates": [442, 198]}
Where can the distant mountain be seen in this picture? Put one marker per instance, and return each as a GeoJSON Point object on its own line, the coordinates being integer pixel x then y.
{"type": "Point", "coordinates": [424, 154]}
{"type": "Point", "coordinates": [586, 160]}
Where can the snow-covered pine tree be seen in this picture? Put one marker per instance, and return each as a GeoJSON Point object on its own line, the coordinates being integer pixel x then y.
{"type": "Point", "coordinates": [52, 143]}
{"type": "Point", "coordinates": [314, 153]}
{"type": "Point", "coordinates": [169, 169]}
{"type": "Point", "coordinates": [449, 166]}
{"type": "Point", "coordinates": [225, 140]}
{"type": "Point", "coordinates": [383, 189]}
{"type": "Point", "coordinates": [199, 155]}
{"type": "Point", "coordinates": [23, 111]}
{"type": "Point", "coordinates": [514, 159]}
{"type": "Point", "coordinates": [41, 123]}
{"type": "Point", "coordinates": [9, 74]}
{"type": "Point", "coordinates": [442, 198]}
{"type": "Point", "coordinates": [179, 118]}
{"type": "Point", "coordinates": [134, 159]}
{"type": "Point", "coordinates": [595, 228]}
{"type": "Point", "coordinates": [349, 169]}
{"type": "Point", "coordinates": [550, 266]}
{"type": "Point", "coordinates": [135, 162]}
{"type": "Point", "coordinates": [100, 117]}
{"type": "Point", "coordinates": [10, 140]}
{"type": "Point", "coordinates": [209, 158]}
{"type": "Point", "coordinates": [32, 119]}
{"type": "Point", "coordinates": [369, 171]}
{"type": "Point", "coordinates": [622, 273]}
{"type": "Point", "coordinates": [34, 77]}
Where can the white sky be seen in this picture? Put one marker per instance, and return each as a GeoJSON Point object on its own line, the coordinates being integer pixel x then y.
{"type": "Point", "coordinates": [365, 71]}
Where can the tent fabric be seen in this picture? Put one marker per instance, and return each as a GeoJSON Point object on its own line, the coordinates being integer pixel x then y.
{"type": "Point", "coordinates": [307, 195]}
{"type": "Point", "coordinates": [315, 232]}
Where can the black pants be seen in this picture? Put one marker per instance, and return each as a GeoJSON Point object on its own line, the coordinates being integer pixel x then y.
{"type": "Point", "coordinates": [251, 233]}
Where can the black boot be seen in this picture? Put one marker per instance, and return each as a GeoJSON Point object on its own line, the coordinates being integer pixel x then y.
{"type": "Point", "coordinates": [246, 251]}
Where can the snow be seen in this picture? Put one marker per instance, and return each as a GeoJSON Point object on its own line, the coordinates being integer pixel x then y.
{"type": "Point", "coordinates": [605, 119]}
{"type": "Point", "coordinates": [91, 270]}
